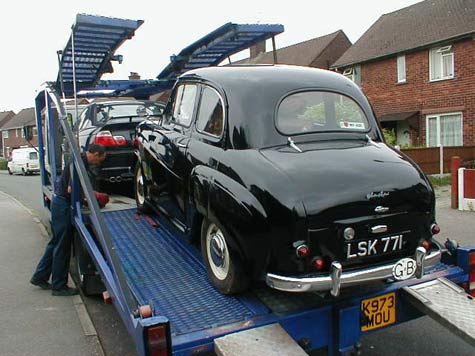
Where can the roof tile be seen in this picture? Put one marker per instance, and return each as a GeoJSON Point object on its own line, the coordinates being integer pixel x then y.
{"type": "Point", "coordinates": [419, 25]}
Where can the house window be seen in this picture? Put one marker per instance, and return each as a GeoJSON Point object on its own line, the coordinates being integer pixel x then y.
{"type": "Point", "coordinates": [401, 69]}
{"type": "Point", "coordinates": [441, 63]}
{"type": "Point", "coordinates": [354, 74]}
{"type": "Point", "coordinates": [5, 134]}
{"type": "Point", "coordinates": [349, 73]}
{"type": "Point", "coordinates": [444, 129]}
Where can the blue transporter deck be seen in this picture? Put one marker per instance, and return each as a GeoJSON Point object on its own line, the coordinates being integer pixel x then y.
{"type": "Point", "coordinates": [166, 272]}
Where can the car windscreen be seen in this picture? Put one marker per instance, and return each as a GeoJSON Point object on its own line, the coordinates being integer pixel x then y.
{"type": "Point", "coordinates": [33, 155]}
{"type": "Point", "coordinates": [105, 113]}
{"type": "Point", "coordinates": [319, 111]}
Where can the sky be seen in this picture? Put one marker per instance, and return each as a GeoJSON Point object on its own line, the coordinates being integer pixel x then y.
{"type": "Point", "coordinates": [32, 31]}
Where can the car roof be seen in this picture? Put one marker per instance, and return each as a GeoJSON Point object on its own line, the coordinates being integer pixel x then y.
{"type": "Point", "coordinates": [253, 94]}
{"type": "Point", "coordinates": [285, 75]}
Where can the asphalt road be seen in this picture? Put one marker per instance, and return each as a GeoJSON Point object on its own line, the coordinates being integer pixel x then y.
{"type": "Point", "coordinates": [422, 336]}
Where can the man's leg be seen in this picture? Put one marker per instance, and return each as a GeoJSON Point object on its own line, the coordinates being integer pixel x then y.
{"type": "Point", "coordinates": [44, 268]}
{"type": "Point", "coordinates": [61, 220]}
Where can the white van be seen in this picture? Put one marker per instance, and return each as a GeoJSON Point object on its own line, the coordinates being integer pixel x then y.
{"type": "Point", "coordinates": [24, 161]}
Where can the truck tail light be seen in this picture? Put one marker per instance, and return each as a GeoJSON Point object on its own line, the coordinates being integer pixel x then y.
{"type": "Point", "coordinates": [106, 138]}
{"type": "Point", "coordinates": [158, 340]}
{"type": "Point", "coordinates": [471, 273]}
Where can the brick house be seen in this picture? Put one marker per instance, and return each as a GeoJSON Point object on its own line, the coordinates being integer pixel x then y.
{"type": "Point", "coordinates": [12, 131]}
{"type": "Point", "coordinates": [318, 52]}
{"type": "Point", "coordinates": [5, 117]}
{"type": "Point", "coordinates": [417, 67]}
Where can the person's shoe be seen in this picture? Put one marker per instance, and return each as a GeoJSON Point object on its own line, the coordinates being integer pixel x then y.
{"type": "Point", "coordinates": [42, 284]}
{"type": "Point", "coordinates": [65, 292]}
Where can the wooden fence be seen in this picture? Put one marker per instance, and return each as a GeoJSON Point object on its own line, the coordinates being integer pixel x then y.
{"type": "Point", "coordinates": [429, 160]}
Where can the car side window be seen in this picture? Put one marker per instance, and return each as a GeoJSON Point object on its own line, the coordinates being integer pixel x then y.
{"type": "Point", "coordinates": [211, 113]}
{"type": "Point", "coordinates": [184, 104]}
{"type": "Point", "coordinates": [84, 119]}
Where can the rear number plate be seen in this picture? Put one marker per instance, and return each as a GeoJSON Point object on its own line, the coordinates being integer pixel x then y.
{"type": "Point", "coordinates": [372, 247]}
{"type": "Point", "coordinates": [378, 312]}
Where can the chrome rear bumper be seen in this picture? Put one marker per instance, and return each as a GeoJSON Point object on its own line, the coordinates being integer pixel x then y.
{"type": "Point", "coordinates": [338, 278]}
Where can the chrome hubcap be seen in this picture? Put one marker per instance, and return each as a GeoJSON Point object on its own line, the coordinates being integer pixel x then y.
{"type": "Point", "coordinates": [140, 187]}
{"type": "Point", "coordinates": [218, 253]}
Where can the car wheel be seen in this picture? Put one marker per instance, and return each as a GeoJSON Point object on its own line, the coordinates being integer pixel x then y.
{"type": "Point", "coordinates": [140, 188]}
{"type": "Point", "coordinates": [10, 172]}
{"type": "Point", "coordinates": [223, 265]}
{"type": "Point", "coordinates": [83, 271]}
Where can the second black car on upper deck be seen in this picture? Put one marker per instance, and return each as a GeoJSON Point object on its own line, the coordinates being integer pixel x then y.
{"type": "Point", "coordinates": [281, 173]}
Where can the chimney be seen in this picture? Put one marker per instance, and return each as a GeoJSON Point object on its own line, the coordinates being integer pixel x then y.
{"type": "Point", "coordinates": [134, 76]}
{"type": "Point", "coordinates": [257, 49]}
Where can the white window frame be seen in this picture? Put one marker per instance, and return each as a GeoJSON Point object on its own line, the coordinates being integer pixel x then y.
{"type": "Point", "coordinates": [437, 116]}
{"type": "Point", "coordinates": [349, 73]}
{"type": "Point", "coordinates": [4, 133]}
{"type": "Point", "coordinates": [401, 68]}
{"type": "Point", "coordinates": [444, 51]}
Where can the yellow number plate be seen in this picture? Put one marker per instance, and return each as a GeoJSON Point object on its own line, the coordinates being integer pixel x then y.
{"type": "Point", "coordinates": [378, 312]}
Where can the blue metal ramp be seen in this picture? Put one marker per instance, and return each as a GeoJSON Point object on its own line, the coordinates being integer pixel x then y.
{"type": "Point", "coordinates": [213, 48]}
{"type": "Point", "coordinates": [166, 272]}
{"type": "Point", "coordinates": [93, 42]}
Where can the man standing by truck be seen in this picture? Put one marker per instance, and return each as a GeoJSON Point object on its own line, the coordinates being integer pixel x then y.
{"type": "Point", "coordinates": [55, 260]}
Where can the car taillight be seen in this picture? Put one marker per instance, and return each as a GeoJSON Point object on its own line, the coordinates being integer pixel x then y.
{"type": "Point", "coordinates": [157, 340]}
{"type": "Point", "coordinates": [106, 138]}
{"type": "Point", "coordinates": [426, 244]}
{"type": "Point", "coordinates": [318, 263]}
{"type": "Point", "coordinates": [136, 142]}
{"type": "Point", "coordinates": [302, 251]}
{"type": "Point", "coordinates": [471, 273]}
{"type": "Point", "coordinates": [435, 229]}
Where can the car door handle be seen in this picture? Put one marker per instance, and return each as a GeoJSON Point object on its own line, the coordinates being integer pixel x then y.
{"type": "Point", "coordinates": [181, 145]}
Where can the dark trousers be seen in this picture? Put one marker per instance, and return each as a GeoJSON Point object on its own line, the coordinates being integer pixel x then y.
{"type": "Point", "coordinates": [55, 260]}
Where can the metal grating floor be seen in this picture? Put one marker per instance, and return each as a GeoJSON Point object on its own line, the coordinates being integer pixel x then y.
{"type": "Point", "coordinates": [165, 272]}
{"type": "Point", "coordinates": [447, 303]}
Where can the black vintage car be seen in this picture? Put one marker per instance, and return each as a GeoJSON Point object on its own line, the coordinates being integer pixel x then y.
{"type": "Point", "coordinates": [281, 174]}
{"type": "Point", "coordinates": [112, 124]}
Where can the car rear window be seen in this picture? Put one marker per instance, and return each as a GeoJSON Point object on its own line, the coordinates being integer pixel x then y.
{"type": "Point", "coordinates": [33, 155]}
{"type": "Point", "coordinates": [317, 111]}
{"type": "Point", "coordinates": [105, 113]}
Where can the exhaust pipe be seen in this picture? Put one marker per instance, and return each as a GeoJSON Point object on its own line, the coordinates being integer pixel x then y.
{"type": "Point", "coordinates": [117, 179]}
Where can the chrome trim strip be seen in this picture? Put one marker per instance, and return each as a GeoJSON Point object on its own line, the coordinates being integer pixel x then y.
{"type": "Point", "coordinates": [326, 283]}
